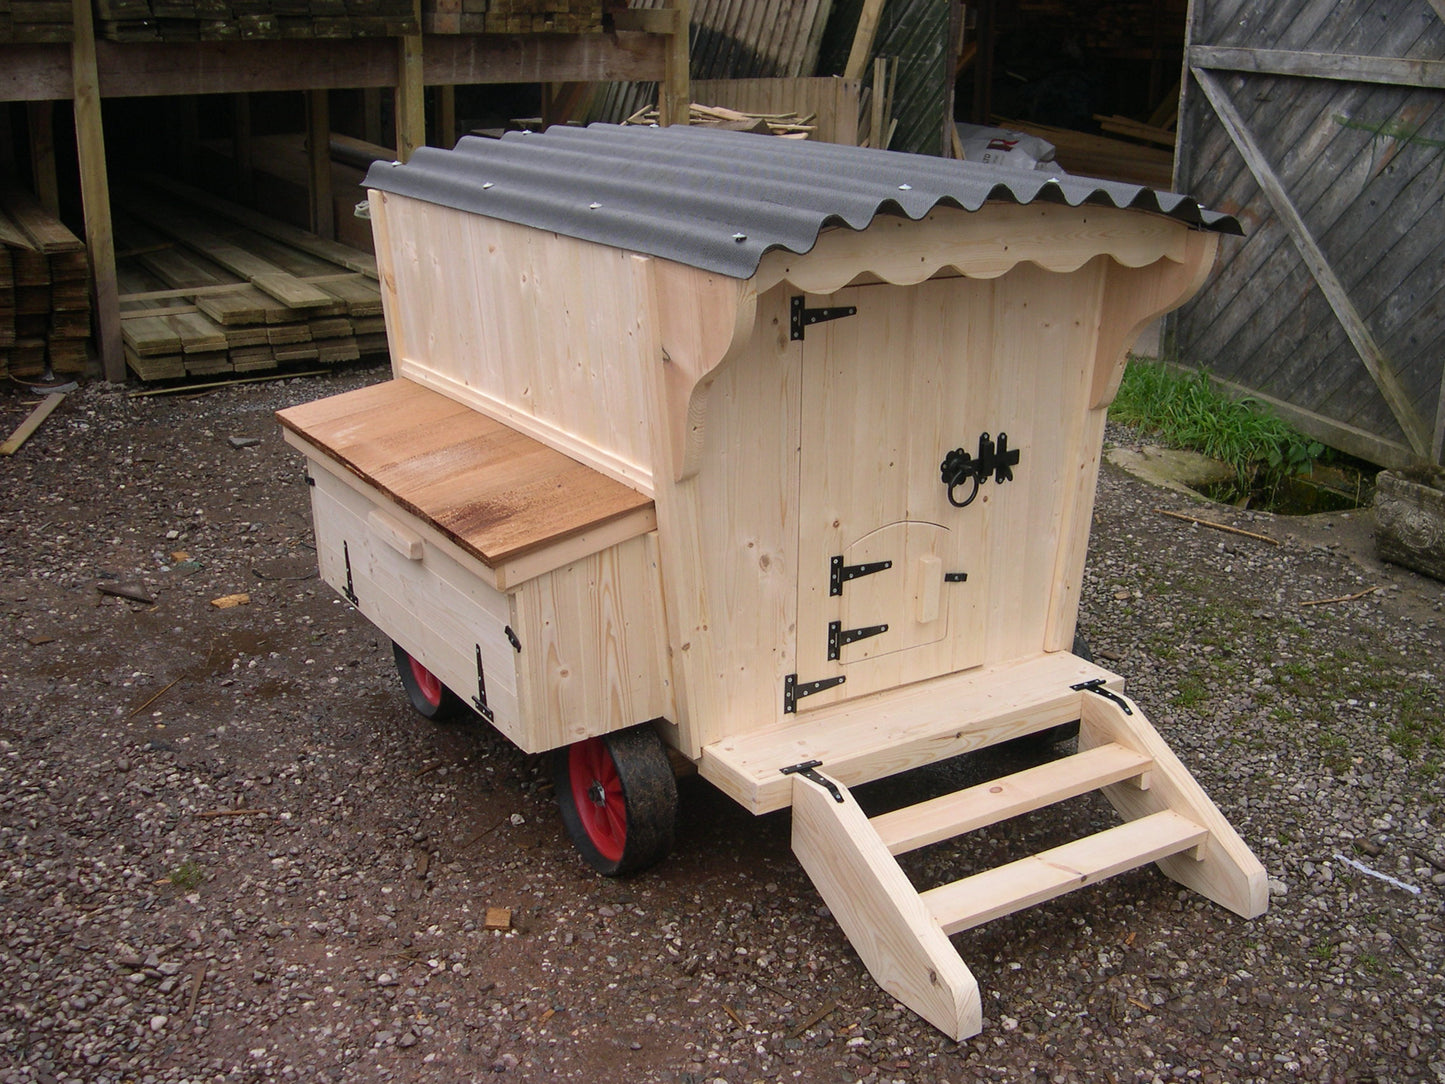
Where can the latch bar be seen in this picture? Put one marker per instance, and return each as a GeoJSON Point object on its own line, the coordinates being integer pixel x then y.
{"type": "Point", "coordinates": [350, 591]}
{"type": "Point", "coordinates": [802, 316]}
{"type": "Point", "coordinates": [839, 637]}
{"type": "Point", "coordinates": [839, 573]}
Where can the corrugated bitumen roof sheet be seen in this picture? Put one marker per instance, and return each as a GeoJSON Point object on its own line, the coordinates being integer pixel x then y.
{"type": "Point", "coordinates": [719, 200]}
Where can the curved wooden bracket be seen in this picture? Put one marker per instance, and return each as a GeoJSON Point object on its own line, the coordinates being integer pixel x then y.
{"type": "Point", "coordinates": [701, 321]}
{"type": "Point", "coordinates": [1134, 297]}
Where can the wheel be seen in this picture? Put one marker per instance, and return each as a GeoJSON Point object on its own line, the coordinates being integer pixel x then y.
{"type": "Point", "coordinates": [618, 799]}
{"type": "Point", "coordinates": [1057, 735]}
{"type": "Point", "coordinates": [424, 689]}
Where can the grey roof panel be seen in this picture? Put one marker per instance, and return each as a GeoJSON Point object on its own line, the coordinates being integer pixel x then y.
{"type": "Point", "coordinates": [719, 200]}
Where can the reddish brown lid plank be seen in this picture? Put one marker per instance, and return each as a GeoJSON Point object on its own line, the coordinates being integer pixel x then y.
{"type": "Point", "coordinates": [497, 492]}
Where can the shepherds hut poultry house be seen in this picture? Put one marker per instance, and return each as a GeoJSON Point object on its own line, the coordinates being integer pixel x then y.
{"type": "Point", "coordinates": [781, 455]}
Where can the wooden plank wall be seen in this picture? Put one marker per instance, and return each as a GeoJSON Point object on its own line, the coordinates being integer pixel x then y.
{"type": "Point", "coordinates": [833, 102]}
{"type": "Point", "coordinates": [1321, 124]}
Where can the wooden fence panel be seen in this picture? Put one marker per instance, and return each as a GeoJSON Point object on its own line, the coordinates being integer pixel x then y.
{"type": "Point", "coordinates": [1321, 125]}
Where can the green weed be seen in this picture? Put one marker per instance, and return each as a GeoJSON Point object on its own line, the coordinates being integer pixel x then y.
{"type": "Point", "coordinates": [187, 876]}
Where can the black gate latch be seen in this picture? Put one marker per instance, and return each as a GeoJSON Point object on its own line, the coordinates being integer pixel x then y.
{"type": "Point", "coordinates": [806, 770]}
{"type": "Point", "coordinates": [995, 459]}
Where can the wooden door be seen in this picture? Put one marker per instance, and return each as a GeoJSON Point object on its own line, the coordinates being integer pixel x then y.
{"type": "Point", "coordinates": [885, 595]}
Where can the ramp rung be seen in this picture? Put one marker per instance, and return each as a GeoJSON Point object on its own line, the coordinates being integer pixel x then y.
{"type": "Point", "coordinates": [997, 892]}
{"type": "Point", "coordinates": [1010, 796]}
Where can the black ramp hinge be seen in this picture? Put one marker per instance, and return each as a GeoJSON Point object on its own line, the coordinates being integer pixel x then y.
{"type": "Point", "coordinates": [512, 639]}
{"type": "Point", "coordinates": [1097, 686]}
{"type": "Point", "coordinates": [808, 772]}
{"type": "Point", "coordinates": [350, 591]}
{"type": "Point", "coordinates": [955, 577]}
{"type": "Point", "coordinates": [310, 481]}
{"type": "Point", "coordinates": [480, 700]}
{"type": "Point", "coordinates": [802, 316]}
{"type": "Point", "coordinates": [839, 637]}
{"type": "Point", "coordinates": [839, 573]}
{"type": "Point", "coordinates": [794, 690]}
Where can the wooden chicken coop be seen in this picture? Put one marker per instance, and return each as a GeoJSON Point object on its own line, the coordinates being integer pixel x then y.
{"type": "Point", "coordinates": [782, 455]}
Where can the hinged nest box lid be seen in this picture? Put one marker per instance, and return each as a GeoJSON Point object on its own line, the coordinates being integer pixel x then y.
{"type": "Point", "coordinates": [718, 200]}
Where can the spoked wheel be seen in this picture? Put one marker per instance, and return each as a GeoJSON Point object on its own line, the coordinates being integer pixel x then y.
{"type": "Point", "coordinates": [424, 689]}
{"type": "Point", "coordinates": [618, 799]}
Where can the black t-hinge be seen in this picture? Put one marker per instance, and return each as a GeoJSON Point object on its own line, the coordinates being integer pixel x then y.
{"type": "Point", "coordinates": [794, 690]}
{"type": "Point", "coordinates": [803, 317]}
{"type": "Point", "coordinates": [808, 772]}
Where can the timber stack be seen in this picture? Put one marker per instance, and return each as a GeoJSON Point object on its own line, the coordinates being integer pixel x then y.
{"type": "Point", "coordinates": [208, 288]}
{"type": "Point", "coordinates": [44, 290]}
{"type": "Point", "coordinates": [29, 21]}
{"type": "Point", "coordinates": [247, 20]}
{"type": "Point", "coordinates": [512, 16]}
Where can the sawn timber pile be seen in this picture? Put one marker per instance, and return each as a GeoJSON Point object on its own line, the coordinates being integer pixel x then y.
{"type": "Point", "coordinates": [44, 290]}
{"type": "Point", "coordinates": [210, 288]}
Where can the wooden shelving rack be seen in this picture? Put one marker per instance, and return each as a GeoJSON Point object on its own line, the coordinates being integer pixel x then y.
{"type": "Point", "coordinates": [645, 45]}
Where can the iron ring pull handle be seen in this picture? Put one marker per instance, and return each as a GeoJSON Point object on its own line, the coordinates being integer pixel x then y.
{"type": "Point", "coordinates": [957, 468]}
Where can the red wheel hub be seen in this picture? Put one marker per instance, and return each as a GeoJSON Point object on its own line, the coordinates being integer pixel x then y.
{"type": "Point", "coordinates": [427, 682]}
{"type": "Point", "coordinates": [597, 796]}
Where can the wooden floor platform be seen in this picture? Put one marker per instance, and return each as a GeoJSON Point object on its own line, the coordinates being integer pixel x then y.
{"type": "Point", "coordinates": [498, 494]}
{"type": "Point", "coordinates": [891, 732]}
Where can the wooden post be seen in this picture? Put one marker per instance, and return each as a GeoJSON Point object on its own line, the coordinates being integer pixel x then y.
{"type": "Point", "coordinates": [674, 98]}
{"type": "Point", "coordinates": [318, 157]}
{"type": "Point", "coordinates": [95, 195]}
{"type": "Point", "coordinates": [371, 114]}
{"type": "Point", "coordinates": [410, 92]}
{"type": "Point", "coordinates": [862, 48]}
{"type": "Point", "coordinates": [985, 31]}
{"type": "Point", "coordinates": [446, 118]}
{"type": "Point", "coordinates": [41, 119]}
{"type": "Point", "coordinates": [245, 171]}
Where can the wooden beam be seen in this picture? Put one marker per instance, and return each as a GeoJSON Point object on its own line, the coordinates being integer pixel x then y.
{"type": "Point", "coordinates": [95, 195]}
{"type": "Point", "coordinates": [318, 162]}
{"type": "Point", "coordinates": [674, 96]}
{"type": "Point", "coordinates": [410, 92]}
{"type": "Point", "coordinates": [371, 114]}
{"type": "Point", "coordinates": [1439, 6]}
{"type": "Point", "coordinates": [1349, 68]}
{"type": "Point", "coordinates": [1375, 362]}
{"type": "Point", "coordinates": [1437, 446]}
{"type": "Point", "coordinates": [444, 118]}
{"type": "Point", "coordinates": [31, 423]}
{"type": "Point", "coordinates": [863, 39]}
{"type": "Point", "coordinates": [40, 117]}
{"type": "Point", "coordinates": [151, 69]}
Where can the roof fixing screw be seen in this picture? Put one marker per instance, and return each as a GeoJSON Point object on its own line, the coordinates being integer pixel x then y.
{"type": "Point", "coordinates": [593, 206]}
{"type": "Point", "coordinates": [740, 237]}
{"type": "Point", "coordinates": [486, 184]}
{"type": "Point", "coordinates": [905, 188]}
{"type": "Point", "coordinates": [395, 164]}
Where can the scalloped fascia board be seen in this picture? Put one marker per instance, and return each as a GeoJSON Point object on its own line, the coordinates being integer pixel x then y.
{"type": "Point", "coordinates": [985, 243]}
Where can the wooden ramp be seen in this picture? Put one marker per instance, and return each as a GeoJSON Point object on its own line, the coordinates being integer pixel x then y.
{"type": "Point", "coordinates": [902, 933]}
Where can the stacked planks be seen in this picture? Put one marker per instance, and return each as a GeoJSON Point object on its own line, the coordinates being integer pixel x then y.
{"type": "Point", "coordinates": [787, 125]}
{"type": "Point", "coordinates": [209, 288]}
{"type": "Point", "coordinates": [44, 290]}
{"type": "Point", "coordinates": [245, 20]}
{"type": "Point", "coordinates": [511, 16]}
{"type": "Point", "coordinates": [36, 21]}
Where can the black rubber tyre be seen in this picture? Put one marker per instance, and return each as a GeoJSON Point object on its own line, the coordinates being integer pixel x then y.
{"type": "Point", "coordinates": [618, 799]}
{"type": "Point", "coordinates": [431, 699]}
{"type": "Point", "coordinates": [1057, 735]}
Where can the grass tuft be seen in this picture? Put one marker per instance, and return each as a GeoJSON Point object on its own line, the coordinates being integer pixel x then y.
{"type": "Point", "coordinates": [1185, 410]}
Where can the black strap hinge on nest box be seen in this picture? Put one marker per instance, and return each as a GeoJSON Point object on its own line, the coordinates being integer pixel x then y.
{"type": "Point", "coordinates": [350, 591]}
{"type": "Point", "coordinates": [958, 467]}
{"type": "Point", "coordinates": [807, 771]}
{"type": "Point", "coordinates": [1097, 686]}
{"type": "Point", "coordinates": [480, 700]}
{"type": "Point", "coordinates": [839, 573]}
{"type": "Point", "coordinates": [839, 637]}
{"type": "Point", "coordinates": [803, 317]}
{"type": "Point", "coordinates": [794, 690]}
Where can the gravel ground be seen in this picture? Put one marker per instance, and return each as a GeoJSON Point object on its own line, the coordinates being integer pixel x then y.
{"type": "Point", "coordinates": [229, 852]}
